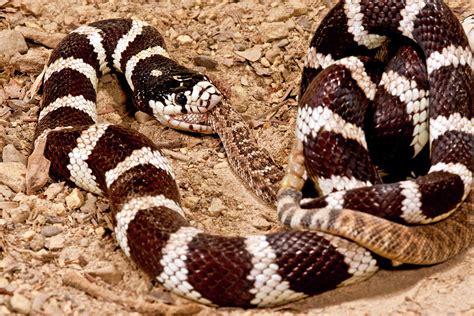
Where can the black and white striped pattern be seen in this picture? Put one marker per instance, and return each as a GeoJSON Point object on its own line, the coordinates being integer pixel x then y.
{"type": "Point", "coordinates": [319, 122]}
{"type": "Point", "coordinates": [127, 168]}
{"type": "Point", "coordinates": [262, 270]}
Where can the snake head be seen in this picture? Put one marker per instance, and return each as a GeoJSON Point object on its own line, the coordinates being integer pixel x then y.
{"type": "Point", "coordinates": [182, 99]}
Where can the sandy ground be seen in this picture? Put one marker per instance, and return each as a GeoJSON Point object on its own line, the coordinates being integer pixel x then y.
{"type": "Point", "coordinates": [258, 49]}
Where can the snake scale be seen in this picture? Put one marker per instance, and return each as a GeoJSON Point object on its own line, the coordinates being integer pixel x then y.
{"type": "Point", "coordinates": [339, 125]}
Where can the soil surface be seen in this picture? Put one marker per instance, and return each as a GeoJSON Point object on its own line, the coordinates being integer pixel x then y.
{"type": "Point", "coordinates": [58, 255]}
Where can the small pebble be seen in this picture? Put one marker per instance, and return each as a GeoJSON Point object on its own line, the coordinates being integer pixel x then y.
{"type": "Point", "coordinates": [28, 235]}
{"type": "Point", "coordinates": [184, 39]}
{"type": "Point", "coordinates": [89, 205]}
{"type": "Point", "coordinates": [75, 199]}
{"type": "Point", "coordinates": [251, 54]}
{"type": "Point", "coordinates": [20, 214]}
{"type": "Point", "coordinates": [20, 304]}
{"type": "Point", "coordinates": [217, 207]}
{"type": "Point", "coordinates": [142, 117]}
{"type": "Point", "coordinates": [49, 231]}
{"type": "Point", "coordinates": [11, 154]}
{"type": "Point", "coordinates": [12, 174]}
{"type": "Point", "coordinates": [190, 201]}
{"type": "Point", "coordinates": [261, 223]}
{"type": "Point", "coordinates": [55, 242]}
{"type": "Point", "coordinates": [205, 61]}
{"type": "Point", "coordinates": [37, 243]}
{"type": "Point", "coordinates": [12, 42]}
{"type": "Point", "coordinates": [108, 273]}
{"type": "Point", "coordinates": [100, 232]}
{"type": "Point", "coordinates": [53, 190]}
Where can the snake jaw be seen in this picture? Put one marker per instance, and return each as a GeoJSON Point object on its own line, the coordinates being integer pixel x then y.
{"type": "Point", "coordinates": [192, 122]}
{"type": "Point", "coordinates": [187, 110]}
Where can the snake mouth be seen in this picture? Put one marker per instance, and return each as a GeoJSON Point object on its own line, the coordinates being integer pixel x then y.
{"type": "Point", "coordinates": [204, 97]}
{"type": "Point", "coordinates": [191, 122]}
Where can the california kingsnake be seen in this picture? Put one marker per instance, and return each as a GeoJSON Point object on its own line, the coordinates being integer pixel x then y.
{"type": "Point", "coordinates": [149, 223]}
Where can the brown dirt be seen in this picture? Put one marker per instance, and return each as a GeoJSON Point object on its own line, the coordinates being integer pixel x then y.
{"type": "Point", "coordinates": [33, 265]}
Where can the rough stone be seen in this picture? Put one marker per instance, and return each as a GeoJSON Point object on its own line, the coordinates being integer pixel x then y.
{"type": "Point", "coordinates": [190, 201]}
{"type": "Point", "coordinates": [217, 207]}
{"type": "Point", "coordinates": [37, 243]}
{"type": "Point", "coordinates": [20, 304]}
{"type": "Point", "coordinates": [55, 242]}
{"type": "Point", "coordinates": [142, 117]}
{"type": "Point", "coordinates": [251, 54]}
{"type": "Point", "coordinates": [20, 214]}
{"type": "Point", "coordinates": [49, 231]}
{"type": "Point", "coordinates": [108, 273]}
{"type": "Point", "coordinates": [75, 200]}
{"type": "Point", "coordinates": [11, 154]}
{"type": "Point", "coordinates": [261, 223]}
{"type": "Point", "coordinates": [184, 39]}
{"type": "Point", "coordinates": [12, 174]}
{"type": "Point", "coordinates": [47, 39]}
{"type": "Point", "coordinates": [53, 190]}
{"type": "Point", "coordinates": [273, 31]}
{"type": "Point", "coordinates": [205, 61]}
{"type": "Point", "coordinates": [89, 205]}
{"type": "Point", "coordinates": [12, 42]}
{"type": "Point", "coordinates": [32, 62]}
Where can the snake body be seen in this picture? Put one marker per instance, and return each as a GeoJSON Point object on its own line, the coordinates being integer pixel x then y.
{"type": "Point", "coordinates": [258, 270]}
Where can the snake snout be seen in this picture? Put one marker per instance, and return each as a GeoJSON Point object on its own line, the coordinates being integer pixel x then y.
{"type": "Point", "coordinates": [204, 96]}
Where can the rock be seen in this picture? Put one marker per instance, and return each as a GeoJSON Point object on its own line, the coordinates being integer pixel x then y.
{"type": "Point", "coordinates": [282, 43]}
{"type": "Point", "coordinates": [272, 54]}
{"type": "Point", "coordinates": [240, 94]}
{"type": "Point", "coordinates": [12, 42]}
{"type": "Point", "coordinates": [6, 192]}
{"type": "Point", "coordinates": [55, 242]}
{"type": "Point", "coordinates": [261, 71]}
{"type": "Point", "coordinates": [89, 205]}
{"type": "Point", "coordinates": [12, 174]}
{"type": "Point", "coordinates": [217, 207]}
{"type": "Point", "coordinates": [32, 62]}
{"type": "Point", "coordinates": [49, 231]}
{"type": "Point", "coordinates": [53, 190]}
{"type": "Point", "coordinates": [75, 200]}
{"type": "Point", "coordinates": [28, 235]}
{"type": "Point", "coordinates": [205, 61]}
{"type": "Point", "coordinates": [11, 154]}
{"type": "Point", "coordinates": [280, 13]}
{"type": "Point", "coordinates": [298, 7]}
{"type": "Point", "coordinates": [20, 304]}
{"type": "Point", "coordinates": [190, 201]}
{"type": "Point", "coordinates": [50, 40]}
{"type": "Point", "coordinates": [32, 6]}
{"type": "Point", "coordinates": [100, 231]}
{"type": "Point", "coordinates": [265, 62]}
{"type": "Point", "coordinates": [273, 31]}
{"type": "Point", "coordinates": [39, 300]}
{"type": "Point", "coordinates": [251, 54]}
{"type": "Point", "coordinates": [184, 39]}
{"type": "Point", "coordinates": [71, 255]}
{"type": "Point", "coordinates": [142, 117]}
{"type": "Point", "coordinates": [37, 243]}
{"type": "Point", "coordinates": [261, 223]}
{"type": "Point", "coordinates": [108, 273]}
{"type": "Point", "coordinates": [20, 214]}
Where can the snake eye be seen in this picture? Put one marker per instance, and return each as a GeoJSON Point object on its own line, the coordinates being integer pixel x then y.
{"type": "Point", "coordinates": [181, 99]}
